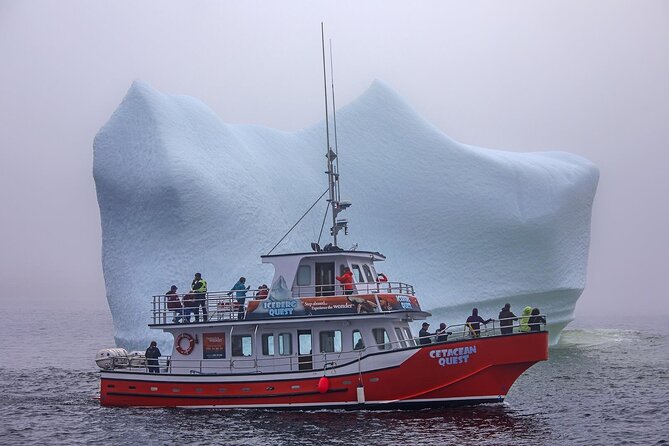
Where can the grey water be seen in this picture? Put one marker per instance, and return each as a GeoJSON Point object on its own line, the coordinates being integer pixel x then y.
{"type": "Point", "coordinates": [606, 382]}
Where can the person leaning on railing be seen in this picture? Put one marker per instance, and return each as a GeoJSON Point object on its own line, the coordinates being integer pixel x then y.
{"type": "Point", "coordinates": [424, 336]}
{"type": "Point", "coordinates": [240, 290]}
{"type": "Point", "coordinates": [506, 318]}
{"type": "Point", "coordinates": [474, 321]}
{"type": "Point", "coordinates": [525, 319]}
{"type": "Point", "coordinates": [442, 333]}
{"type": "Point", "coordinates": [346, 280]}
{"type": "Point", "coordinates": [174, 304]}
{"type": "Point", "coordinates": [535, 320]}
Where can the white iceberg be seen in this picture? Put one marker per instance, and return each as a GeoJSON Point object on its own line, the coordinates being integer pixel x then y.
{"type": "Point", "coordinates": [182, 192]}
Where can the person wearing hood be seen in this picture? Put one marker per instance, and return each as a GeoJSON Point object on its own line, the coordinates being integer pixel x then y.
{"type": "Point", "coordinates": [525, 319]}
{"type": "Point", "coordinates": [152, 354]}
{"type": "Point", "coordinates": [506, 318]}
{"type": "Point", "coordinates": [474, 323]}
{"type": "Point", "coordinates": [442, 334]}
{"type": "Point", "coordinates": [535, 320]}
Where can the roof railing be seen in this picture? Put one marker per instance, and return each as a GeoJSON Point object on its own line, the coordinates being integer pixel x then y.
{"type": "Point", "coordinates": [225, 306]}
{"type": "Point", "coordinates": [333, 289]}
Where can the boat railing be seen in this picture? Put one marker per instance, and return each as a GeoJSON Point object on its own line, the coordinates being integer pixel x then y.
{"type": "Point", "coordinates": [495, 327]}
{"type": "Point", "coordinates": [224, 305]}
{"type": "Point", "coordinates": [358, 288]}
{"type": "Point", "coordinates": [325, 360]}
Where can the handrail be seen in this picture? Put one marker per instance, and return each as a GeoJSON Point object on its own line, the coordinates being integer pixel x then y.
{"type": "Point", "coordinates": [358, 288]}
{"type": "Point", "coordinates": [325, 360]}
{"type": "Point", "coordinates": [223, 305]}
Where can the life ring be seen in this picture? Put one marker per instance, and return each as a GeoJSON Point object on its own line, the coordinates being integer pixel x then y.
{"type": "Point", "coordinates": [189, 348]}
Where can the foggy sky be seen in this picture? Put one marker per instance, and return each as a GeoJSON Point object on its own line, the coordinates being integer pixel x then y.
{"type": "Point", "coordinates": [591, 78]}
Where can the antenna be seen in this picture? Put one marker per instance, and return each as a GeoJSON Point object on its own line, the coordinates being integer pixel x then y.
{"type": "Point", "coordinates": [333, 170]}
{"type": "Point", "coordinates": [334, 119]}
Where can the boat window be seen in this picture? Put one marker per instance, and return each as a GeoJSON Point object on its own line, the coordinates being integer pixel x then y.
{"type": "Point", "coordinates": [358, 343]}
{"type": "Point", "coordinates": [285, 344]}
{"type": "Point", "coordinates": [400, 337]}
{"type": "Point", "coordinates": [410, 340]}
{"type": "Point", "coordinates": [241, 345]}
{"type": "Point", "coordinates": [381, 338]}
{"type": "Point", "coordinates": [268, 344]}
{"type": "Point", "coordinates": [368, 273]}
{"type": "Point", "coordinates": [330, 341]}
{"type": "Point", "coordinates": [304, 342]}
{"type": "Point", "coordinates": [304, 275]}
{"type": "Point", "coordinates": [305, 361]}
{"type": "Point", "coordinates": [357, 274]}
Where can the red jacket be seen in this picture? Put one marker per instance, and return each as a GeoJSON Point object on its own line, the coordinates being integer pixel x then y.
{"type": "Point", "coordinates": [346, 279]}
{"type": "Point", "coordinates": [173, 301]}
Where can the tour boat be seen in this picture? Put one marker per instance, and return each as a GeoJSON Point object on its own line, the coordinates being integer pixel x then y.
{"type": "Point", "coordinates": [313, 342]}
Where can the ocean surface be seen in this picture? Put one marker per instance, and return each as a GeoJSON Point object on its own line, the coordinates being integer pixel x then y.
{"type": "Point", "coordinates": [607, 382]}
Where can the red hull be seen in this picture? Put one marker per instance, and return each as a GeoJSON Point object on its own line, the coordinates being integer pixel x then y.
{"type": "Point", "coordinates": [461, 372]}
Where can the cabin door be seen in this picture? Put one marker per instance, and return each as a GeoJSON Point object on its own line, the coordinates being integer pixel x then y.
{"type": "Point", "coordinates": [305, 360]}
{"type": "Point", "coordinates": [325, 277]}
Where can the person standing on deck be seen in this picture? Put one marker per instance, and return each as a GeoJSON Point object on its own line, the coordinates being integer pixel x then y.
{"type": "Point", "coordinates": [506, 318]}
{"type": "Point", "coordinates": [442, 334]}
{"type": "Point", "coordinates": [424, 336]}
{"type": "Point", "coordinates": [536, 320]}
{"type": "Point", "coordinates": [346, 280]}
{"type": "Point", "coordinates": [525, 319]}
{"type": "Point", "coordinates": [240, 289]}
{"type": "Point", "coordinates": [474, 323]}
{"type": "Point", "coordinates": [199, 288]}
{"type": "Point", "coordinates": [174, 304]}
{"type": "Point", "coordinates": [152, 354]}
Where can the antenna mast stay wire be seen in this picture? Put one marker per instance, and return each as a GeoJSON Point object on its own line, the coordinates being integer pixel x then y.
{"type": "Point", "coordinates": [320, 234]}
{"type": "Point", "coordinates": [297, 222]}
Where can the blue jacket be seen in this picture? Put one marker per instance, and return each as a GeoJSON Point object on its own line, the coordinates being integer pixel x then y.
{"type": "Point", "coordinates": [239, 286]}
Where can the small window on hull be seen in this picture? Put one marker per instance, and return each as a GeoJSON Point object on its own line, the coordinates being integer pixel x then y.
{"type": "Point", "coordinates": [381, 338]}
{"type": "Point", "coordinates": [241, 345]}
{"type": "Point", "coordinates": [357, 274]}
{"type": "Point", "coordinates": [330, 341]}
{"type": "Point", "coordinates": [358, 343]}
{"type": "Point", "coordinates": [304, 275]}
{"type": "Point", "coordinates": [400, 337]}
{"type": "Point", "coordinates": [268, 344]}
{"type": "Point", "coordinates": [285, 344]}
{"type": "Point", "coordinates": [368, 273]}
{"type": "Point", "coordinates": [410, 340]}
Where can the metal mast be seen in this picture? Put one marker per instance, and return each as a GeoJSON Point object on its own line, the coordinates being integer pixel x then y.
{"type": "Point", "coordinates": [332, 170]}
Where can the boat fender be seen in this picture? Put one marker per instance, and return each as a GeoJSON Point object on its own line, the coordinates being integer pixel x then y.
{"type": "Point", "coordinates": [189, 348]}
{"type": "Point", "coordinates": [360, 391]}
{"type": "Point", "coordinates": [323, 384]}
